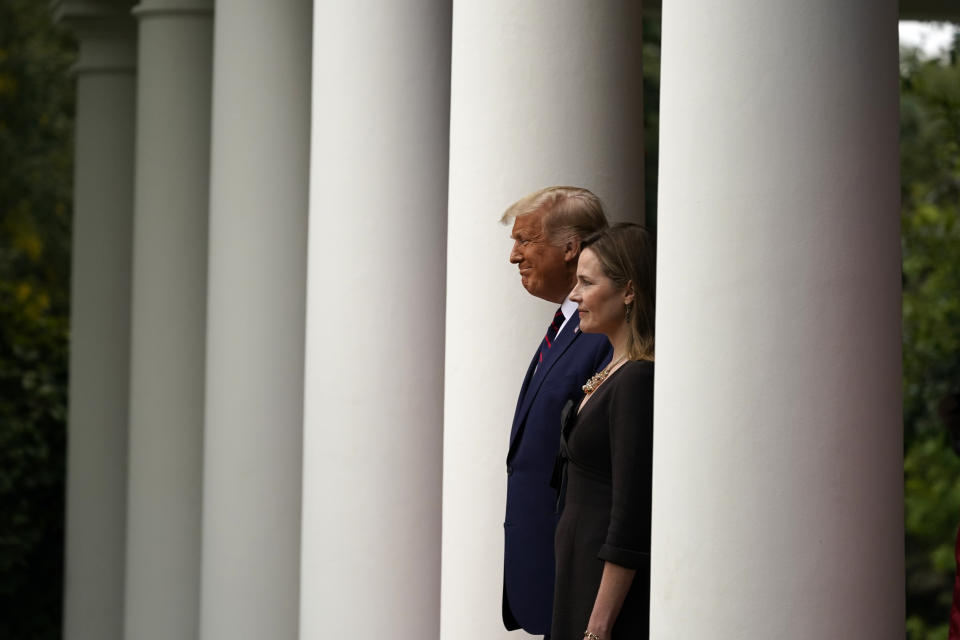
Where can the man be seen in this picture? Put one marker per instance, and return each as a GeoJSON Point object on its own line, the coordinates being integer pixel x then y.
{"type": "Point", "coordinates": [548, 227]}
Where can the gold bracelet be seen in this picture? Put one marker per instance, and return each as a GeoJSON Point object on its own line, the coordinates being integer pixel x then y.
{"type": "Point", "coordinates": [591, 636]}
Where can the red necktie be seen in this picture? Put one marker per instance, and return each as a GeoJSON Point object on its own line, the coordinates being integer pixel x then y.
{"type": "Point", "coordinates": [551, 332]}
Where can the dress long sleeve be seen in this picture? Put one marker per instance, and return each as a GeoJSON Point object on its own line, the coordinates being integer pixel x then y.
{"type": "Point", "coordinates": [631, 453]}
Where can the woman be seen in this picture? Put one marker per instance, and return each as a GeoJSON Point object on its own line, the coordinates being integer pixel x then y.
{"type": "Point", "coordinates": [603, 537]}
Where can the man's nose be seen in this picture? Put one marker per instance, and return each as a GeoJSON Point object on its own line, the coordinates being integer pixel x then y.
{"type": "Point", "coordinates": [515, 256]}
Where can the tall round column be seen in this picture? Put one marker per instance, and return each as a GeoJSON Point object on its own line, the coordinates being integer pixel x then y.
{"type": "Point", "coordinates": [777, 498]}
{"type": "Point", "coordinates": [374, 359]}
{"type": "Point", "coordinates": [542, 94]}
{"type": "Point", "coordinates": [255, 320]}
{"type": "Point", "coordinates": [168, 319]}
{"type": "Point", "coordinates": [99, 319]}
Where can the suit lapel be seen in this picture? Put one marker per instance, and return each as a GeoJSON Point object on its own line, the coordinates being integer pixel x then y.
{"type": "Point", "coordinates": [523, 392]}
{"type": "Point", "coordinates": [532, 382]}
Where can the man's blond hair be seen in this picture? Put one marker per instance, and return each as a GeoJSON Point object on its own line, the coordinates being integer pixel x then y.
{"type": "Point", "coordinates": [568, 211]}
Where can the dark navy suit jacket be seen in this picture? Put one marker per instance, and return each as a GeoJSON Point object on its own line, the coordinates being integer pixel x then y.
{"type": "Point", "coordinates": [531, 502]}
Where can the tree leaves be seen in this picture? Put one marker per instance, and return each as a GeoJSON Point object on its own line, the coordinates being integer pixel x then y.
{"type": "Point", "coordinates": [36, 121]}
{"type": "Point", "coordinates": [930, 240]}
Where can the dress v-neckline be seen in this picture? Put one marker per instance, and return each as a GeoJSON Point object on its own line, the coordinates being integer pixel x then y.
{"type": "Point", "coordinates": [602, 386]}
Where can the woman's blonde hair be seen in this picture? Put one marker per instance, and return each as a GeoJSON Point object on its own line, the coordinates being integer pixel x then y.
{"type": "Point", "coordinates": [627, 255]}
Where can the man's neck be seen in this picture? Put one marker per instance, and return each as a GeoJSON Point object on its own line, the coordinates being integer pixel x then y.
{"type": "Point", "coordinates": [558, 299]}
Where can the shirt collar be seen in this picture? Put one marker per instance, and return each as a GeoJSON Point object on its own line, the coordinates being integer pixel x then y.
{"type": "Point", "coordinates": [568, 308]}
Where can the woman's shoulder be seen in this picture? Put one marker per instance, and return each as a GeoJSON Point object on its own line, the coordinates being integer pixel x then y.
{"type": "Point", "coordinates": [638, 368]}
{"type": "Point", "coordinates": [633, 390]}
{"type": "Point", "coordinates": [635, 373]}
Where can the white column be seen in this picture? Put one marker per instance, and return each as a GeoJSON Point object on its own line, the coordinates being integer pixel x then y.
{"type": "Point", "coordinates": [543, 93]}
{"type": "Point", "coordinates": [374, 359]}
{"type": "Point", "coordinates": [778, 478]}
{"type": "Point", "coordinates": [255, 320]}
{"type": "Point", "coordinates": [100, 319]}
{"type": "Point", "coordinates": [168, 319]}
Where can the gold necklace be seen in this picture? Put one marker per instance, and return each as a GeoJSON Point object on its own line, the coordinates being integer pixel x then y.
{"type": "Point", "coordinates": [600, 376]}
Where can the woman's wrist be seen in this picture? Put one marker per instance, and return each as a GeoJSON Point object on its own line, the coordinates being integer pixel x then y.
{"type": "Point", "coordinates": [598, 629]}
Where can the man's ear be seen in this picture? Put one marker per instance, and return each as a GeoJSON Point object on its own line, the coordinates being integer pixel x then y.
{"type": "Point", "coordinates": [628, 293]}
{"type": "Point", "coordinates": [571, 249]}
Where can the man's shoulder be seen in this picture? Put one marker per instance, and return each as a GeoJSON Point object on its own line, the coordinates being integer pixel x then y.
{"type": "Point", "coordinates": [592, 338]}
{"type": "Point", "coordinates": [589, 341]}
{"type": "Point", "coordinates": [587, 347]}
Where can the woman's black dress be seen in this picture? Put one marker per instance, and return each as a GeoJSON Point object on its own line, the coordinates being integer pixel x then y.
{"type": "Point", "coordinates": [606, 514]}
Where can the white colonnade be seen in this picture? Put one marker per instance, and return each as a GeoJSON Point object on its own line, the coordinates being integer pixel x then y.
{"type": "Point", "coordinates": [374, 355]}
{"type": "Point", "coordinates": [168, 319]}
{"type": "Point", "coordinates": [542, 94]}
{"type": "Point", "coordinates": [777, 469]}
{"type": "Point", "coordinates": [255, 320]}
{"type": "Point", "coordinates": [100, 319]}
{"type": "Point", "coordinates": [778, 475]}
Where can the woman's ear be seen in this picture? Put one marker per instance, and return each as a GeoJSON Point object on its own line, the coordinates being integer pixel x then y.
{"type": "Point", "coordinates": [628, 293]}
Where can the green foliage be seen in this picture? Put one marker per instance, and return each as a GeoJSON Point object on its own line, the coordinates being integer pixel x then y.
{"type": "Point", "coordinates": [33, 405]}
{"type": "Point", "coordinates": [918, 629]}
{"type": "Point", "coordinates": [36, 153]}
{"type": "Point", "coordinates": [36, 107]}
{"type": "Point", "coordinates": [930, 235]}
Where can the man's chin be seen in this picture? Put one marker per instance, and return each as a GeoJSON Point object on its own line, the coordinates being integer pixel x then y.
{"type": "Point", "coordinates": [538, 291]}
